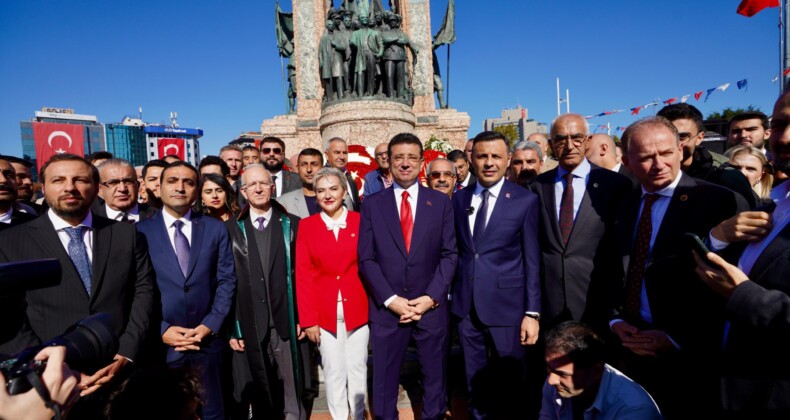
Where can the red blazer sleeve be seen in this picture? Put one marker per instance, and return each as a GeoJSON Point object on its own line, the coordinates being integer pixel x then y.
{"type": "Point", "coordinates": [306, 274]}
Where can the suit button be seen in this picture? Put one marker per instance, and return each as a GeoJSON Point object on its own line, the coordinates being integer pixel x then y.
{"type": "Point", "coordinates": [477, 256]}
{"type": "Point", "coordinates": [338, 277]}
{"type": "Point", "coordinates": [405, 289]}
{"type": "Point", "coordinates": [186, 289]}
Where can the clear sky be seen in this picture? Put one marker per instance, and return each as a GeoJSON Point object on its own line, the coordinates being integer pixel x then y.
{"type": "Point", "coordinates": [216, 63]}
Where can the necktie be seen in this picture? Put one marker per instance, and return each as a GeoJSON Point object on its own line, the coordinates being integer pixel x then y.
{"type": "Point", "coordinates": [406, 219]}
{"type": "Point", "coordinates": [182, 247]}
{"type": "Point", "coordinates": [274, 182]}
{"type": "Point", "coordinates": [79, 255]}
{"type": "Point", "coordinates": [458, 187]}
{"type": "Point", "coordinates": [566, 209]}
{"type": "Point", "coordinates": [636, 270]}
{"type": "Point", "coordinates": [480, 219]}
{"type": "Point", "coordinates": [260, 223]}
{"type": "Point", "coordinates": [125, 217]}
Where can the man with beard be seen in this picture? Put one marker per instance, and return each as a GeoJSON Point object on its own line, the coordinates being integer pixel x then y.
{"type": "Point", "coordinates": [756, 371]}
{"type": "Point", "coordinates": [749, 127]}
{"type": "Point", "coordinates": [441, 176]}
{"type": "Point", "coordinates": [273, 159]}
{"type": "Point", "coordinates": [24, 184]}
{"type": "Point", "coordinates": [380, 178]}
{"type": "Point", "coordinates": [105, 268]}
{"type": "Point", "coordinates": [118, 189]}
{"type": "Point", "coordinates": [525, 162]}
{"type": "Point", "coordinates": [9, 215]}
{"type": "Point", "coordinates": [303, 202]}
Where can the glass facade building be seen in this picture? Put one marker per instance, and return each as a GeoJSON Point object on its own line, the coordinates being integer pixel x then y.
{"type": "Point", "coordinates": [127, 142]}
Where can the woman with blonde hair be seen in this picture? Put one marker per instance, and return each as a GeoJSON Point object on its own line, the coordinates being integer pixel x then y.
{"type": "Point", "coordinates": [754, 166]}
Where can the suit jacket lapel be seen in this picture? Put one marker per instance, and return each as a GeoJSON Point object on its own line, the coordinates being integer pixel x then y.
{"type": "Point", "coordinates": [276, 241]}
{"type": "Point", "coordinates": [591, 192]}
{"type": "Point", "coordinates": [771, 254]}
{"type": "Point", "coordinates": [420, 224]}
{"type": "Point", "coordinates": [198, 228]}
{"type": "Point", "coordinates": [102, 241]}
{"type": "Point", "coordinates": [499, 212]}
{"type": "Point", "coordinates": [677, 210]}
{"type": "Point", "coordinates": [466, 230]}
{"type": "Point", "coordinates": [48, 240]}
{"type": "Point", "coordinates": [301, 205]}
{"type": "Point", "coordinates": [550, 204]}
{"type": "Point", "coordinates": [389, 208]}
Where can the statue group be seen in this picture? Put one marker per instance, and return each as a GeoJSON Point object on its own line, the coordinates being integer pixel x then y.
{"type": "Point", "coordinates": [363, 54]}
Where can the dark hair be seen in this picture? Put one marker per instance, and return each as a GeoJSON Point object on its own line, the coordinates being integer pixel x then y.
{"type": "Point", "coordinates": [490, 136]}
{"type": "Point", "coordinates": [99, 155]}
{"type": "Point", "coordinates": [249, 147]}
{"type": "Point", "coordinates": [13, 159]}
{"type": "Point", "coordinates": [67, 157]}
{"type": "Point", "coordinates": [311, 152]}
{"type": "Point", "coordinates": [167, 393]}
{"type": "Point", "coordinates": [683, 111]}
{"type": "Point", "coordinates": [156, 163]}
{"type": "Point", "coordinates": [272, 139]}
{"type": "Point", "coordinates": [656, 121]}
{"type": "Point", "coordinates": [577, 341]}
{"type": "Point", "coordinates": [231, 200]}
{"type": "Point", "coordinates": [177, 164]}
{"type": "Point", "coordinates": [455, 155]}
{"type": "Point", "coordinates": [403, 138]}
{"type": "Point", "coordinates": [214, 160]}
{"type": "Point", "coordinates": [751, 115]}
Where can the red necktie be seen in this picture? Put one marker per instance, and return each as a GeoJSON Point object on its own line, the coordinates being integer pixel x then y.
{"type": "Point", "coordinates": [566, 209]}
{"type": "Point", "coordinates": [636, 270]}
{"type": "Point", "coordinates": [406, 219]}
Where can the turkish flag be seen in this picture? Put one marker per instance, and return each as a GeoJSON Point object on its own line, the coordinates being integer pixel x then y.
{"type": "Point", "coordinates": [51, 139]}
{"type": "Point", "coordinates": [750, 8]}
{"type": "Point", "coordinates": [176, 147]}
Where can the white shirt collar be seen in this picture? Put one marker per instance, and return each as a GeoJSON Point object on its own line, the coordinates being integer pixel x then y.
{"type": "Point", "coordinates": [255, 214]}
{"type": "Point", "coordinates": [113, 214]}
{"type": "Point", "coordinates": [331, 223]}
{"type": "Point", "coordinates": [169, 219]}
{"type": "Point", "coordinates": [61, 224]}
{"type": "Point", "coordinates": [580, 171]}
{"type": "Point", "coordinates": [6, 217]}
{"type": "Point", "coordinates": [413, 189]}
{"type": "Point", "coordinates": [669, 189]}
{"type": "Point", "coordinates": [493, 190]}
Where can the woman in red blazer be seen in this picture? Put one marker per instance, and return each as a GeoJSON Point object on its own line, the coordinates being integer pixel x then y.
{"type": "Point", "coordinates": [332, 303]}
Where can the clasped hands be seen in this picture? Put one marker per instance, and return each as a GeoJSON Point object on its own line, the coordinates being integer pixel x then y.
{"type": "Point", "coordinates": [411, 310]}
{"type": "Point", "coordinates": [643, 342]}
{"type": "Point", "coordinates": [184, 339]}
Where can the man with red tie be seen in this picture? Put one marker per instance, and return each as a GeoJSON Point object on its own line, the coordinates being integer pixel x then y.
{"type": "Point", "coordinates": [407, 257]}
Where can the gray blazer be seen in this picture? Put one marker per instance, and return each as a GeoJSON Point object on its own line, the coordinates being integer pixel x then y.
{"type": "Point", "coordinates": [294, 203]}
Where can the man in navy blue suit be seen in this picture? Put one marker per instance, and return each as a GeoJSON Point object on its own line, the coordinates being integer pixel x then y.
{"type": "Point", "coordinates": [496, 293]}
{"type": "Point", "coordinates": [192, 259]}
{"type": "Point", "coordinates": [407, 257]}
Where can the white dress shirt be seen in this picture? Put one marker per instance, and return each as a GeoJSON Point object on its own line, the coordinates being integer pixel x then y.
{"type": "Point", "coordinates": [171, 230]}
{"type": "Point", "coordinates": [278, 183]}
{"type": "Point", "coordinates": [132, 214]}
{"type": "Point", "coordinates": [477, 199]}
{"type": "Point", "coordinates": [335, 225]}
{"type": "Point", "coordinates": [6, 217]}
{"type": "Point", "coordinates": [581, 174]}
{"type": "Point", "coordinates": [61, 224]}
{"type": "Point", "coordinates": [255, 214]}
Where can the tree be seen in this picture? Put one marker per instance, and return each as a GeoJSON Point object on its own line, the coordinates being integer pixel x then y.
{"type": "Point", "coordinates": [510, 132]}
{"type": "Point", "coordinates": [728, 113]}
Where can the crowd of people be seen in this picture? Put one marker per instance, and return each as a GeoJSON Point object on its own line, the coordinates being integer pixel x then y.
{"type": "Point", "coordinates": [564, 266]}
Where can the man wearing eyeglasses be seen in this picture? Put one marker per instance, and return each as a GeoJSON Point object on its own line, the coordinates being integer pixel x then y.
{"type": "Point", "coordinates": [441, 176]}
{"type": "Point", "coordinates": [118, 191]}
{"type": "Point", "coordinates": [337, 157]}
{"type": "Point", "coordinates": [699, 162]}
{"type": "Point", "coordinates": [273, 159]}
{"type": "Point", "coordinates": [381, 178]}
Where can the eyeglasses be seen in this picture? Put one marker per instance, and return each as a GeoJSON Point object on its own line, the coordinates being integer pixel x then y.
{"type": "Point", "coordinates": [255, 185]}
{"type": "Point", "coordinates": [410, 158]}
{"type": "Point", "coordinates": [381, 154]}
{"type": "Point", "coordinates": [112, 183]}
{"type": "Point", "coordinates": [438, 174]}
{"type": "Point", "coordinates": [267, 150]}
{"type": "Point", "coordinates": [577, 139]}
{"type": "Point", "coordinates": [684, 137]}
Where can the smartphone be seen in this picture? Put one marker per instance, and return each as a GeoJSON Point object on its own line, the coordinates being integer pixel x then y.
{"type": "Point", "coordinates": [697, 244]}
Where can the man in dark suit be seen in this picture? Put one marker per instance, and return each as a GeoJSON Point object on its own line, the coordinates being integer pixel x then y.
{"type": "Point", "coordinates": [577, 242]}
{"type": "Point", "coordinates": [192, 259]}
{"type": "Point", "coordinates": [118, 190]}
{"type": "Point", "coordinates": [268, 326]}
{"type": "Point", "coordinates": [667, 321]}
{"type": "Point", "coordinates": [273, 159]}
{"type": "Point", "coordinates": [302, 202]}
{"type": "Point", "coordinates": [465, 177]}
{"type": "Point", "coordinates": [496, 292]}
{"type": "Point", "coordinates": [337, 157]}
{"type": "Point", "coordinates": [9, 214]}
{"type": "Point", "coordinates": [755, 379]}
{"type": "Point", "coordinates": [407, 257]}
{"type": "Point", "coordinates": [105, 268]}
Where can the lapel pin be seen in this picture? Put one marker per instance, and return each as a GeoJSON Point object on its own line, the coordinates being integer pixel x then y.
{"type": "Point", "coordinates": [507, 195]}
{"type": "Point", "coordinates": [684, 197]}
{"type": "Point", "coordinates": [595, 185]}
{"type": "Point", "coordinates": [428, 203]}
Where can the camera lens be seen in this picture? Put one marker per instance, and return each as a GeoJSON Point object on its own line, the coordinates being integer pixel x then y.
{"type": "Point", "coordinates": [90, 343]}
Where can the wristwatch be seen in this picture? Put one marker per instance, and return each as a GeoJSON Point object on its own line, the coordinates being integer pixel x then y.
{"type": "Point", "coordinates": [533, 315]}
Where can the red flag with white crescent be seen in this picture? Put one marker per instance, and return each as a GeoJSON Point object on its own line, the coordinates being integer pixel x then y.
{"type": "Point", "coordinates": [176, 147]}
{"type": "Point", "coordinates": [52, 139]}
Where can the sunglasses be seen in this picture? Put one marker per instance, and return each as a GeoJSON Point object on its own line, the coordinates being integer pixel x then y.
{"type": "Point", "coordinates": [437, 174]}
{"type": "Point", "coordinates": [267, 150]}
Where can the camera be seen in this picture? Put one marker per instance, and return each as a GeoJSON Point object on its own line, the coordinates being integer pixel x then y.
{"type": "Point", "coordinates": [90, 344]}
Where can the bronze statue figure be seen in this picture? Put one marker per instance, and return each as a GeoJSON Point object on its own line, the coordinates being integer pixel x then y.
{"type": "Point", "coordinates": [396, 75]}
{"type": "Point", "coordinates": [331, 56]}
{"type": "Point", "coordinates": [369, 47]}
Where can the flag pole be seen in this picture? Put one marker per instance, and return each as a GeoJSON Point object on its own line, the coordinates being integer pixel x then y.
{"type": "Point", "coordinates": [558, 96]}
{"type": "Point", "coordinates": [784, 57]}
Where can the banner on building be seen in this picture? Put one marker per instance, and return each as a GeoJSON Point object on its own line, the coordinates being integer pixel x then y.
{"type": "Point", "coordinates": [175, 147]}
{"type": "Point", "coordinates": [52, 139]}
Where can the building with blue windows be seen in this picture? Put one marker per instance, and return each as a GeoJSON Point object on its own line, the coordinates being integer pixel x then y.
{"type": "Point", "coordinates": [126, 140]}
{"type": "Point", "coordinates": [156, 133]}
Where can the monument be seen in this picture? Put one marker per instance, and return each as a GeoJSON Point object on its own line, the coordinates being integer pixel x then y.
{"type": "Point", "coordinates": [363, 73]}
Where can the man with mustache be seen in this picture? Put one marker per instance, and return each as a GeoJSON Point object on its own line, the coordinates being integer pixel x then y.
{"type": "Point", "coordinates": [441, 176]}
{"type": "Point", "coordinates": [24, 183]}
{"type": "Point", "coordinates": [118, 191]}
{"type": "Point", "coordinates": [273, 159]}
{"type": "Point", "coordinates": [303, 202]}
{"type": "Point", "coordinates": [336, 152]}
{"type": "Point", "coordinates": [105, 268]}
{"type": "Point", "coordinates": [9, 214]}
{"type": "Point", "coordinates": [757, 292]}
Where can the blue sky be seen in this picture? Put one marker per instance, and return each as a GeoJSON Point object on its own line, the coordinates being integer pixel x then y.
{"type": "Point", "coordinates": [216, 62]}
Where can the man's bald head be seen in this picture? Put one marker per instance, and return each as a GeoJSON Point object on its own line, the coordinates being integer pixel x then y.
{"type": "Point", "coordinates": [601, 151]}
